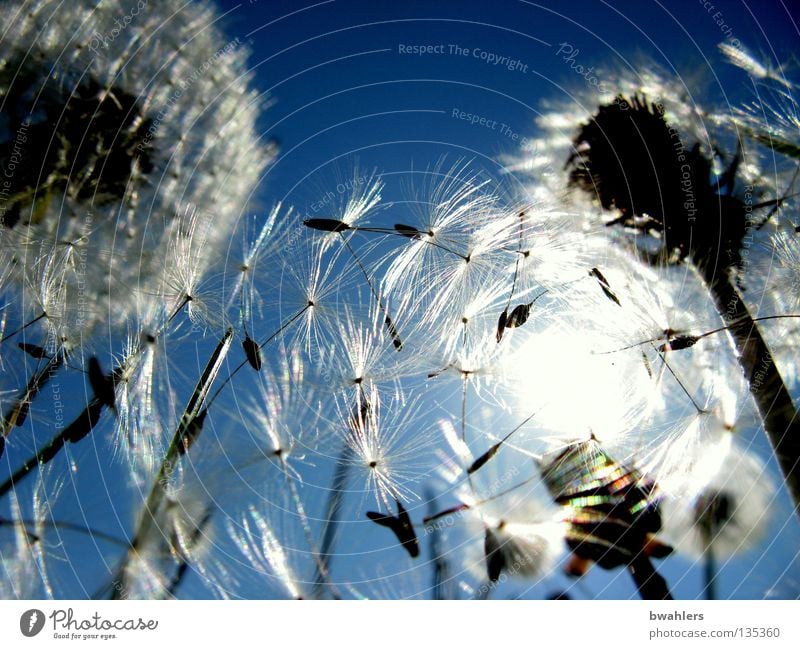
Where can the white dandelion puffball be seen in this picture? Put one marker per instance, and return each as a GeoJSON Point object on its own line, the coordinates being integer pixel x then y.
{"type": "Point", "coordinates": [116, 120]}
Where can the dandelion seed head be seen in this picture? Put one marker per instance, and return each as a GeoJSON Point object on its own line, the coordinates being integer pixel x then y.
{"type": "Point", "coordinates": [726, 502]}
{"type": "Point", "coordinates": [170, 121]}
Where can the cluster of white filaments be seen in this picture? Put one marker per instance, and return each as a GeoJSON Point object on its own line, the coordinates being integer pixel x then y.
{"type": "Point", "coordinates": [534, 373]}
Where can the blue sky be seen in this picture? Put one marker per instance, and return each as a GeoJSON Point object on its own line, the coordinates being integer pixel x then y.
{"type": "Point", "coordinates": [345, 86]}
{"type": "Point", "coordinates": [398, 85]}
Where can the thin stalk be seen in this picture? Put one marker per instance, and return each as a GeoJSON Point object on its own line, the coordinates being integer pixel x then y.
{"type": "Point", "coordinates": [390, 326]}
{"type": "Point", "coordinates": [332, 510]}
{"type": "Point", "coordinates": [183, 565]}
{"type": "Point", "coordinates": [64, 525]}
{"type": "Point", "coordinates": [75, 432]}
{"type": "Point", "coordinates": [650, 584]}
{"type": "Point", "coordinates": [775, 405]}
{"type": "Point", "coordinates": [23, 327]}
{"type": "Point", "coordinates": [709, 573]}
{"type": "Point", "coordinates": [322, 569]}
{"type": "Point", "coordinates": [262, 344]}
{"type": "Point", "coordinates": [441, 568]}
{"type": "Point", "coordinates": [170, 462]}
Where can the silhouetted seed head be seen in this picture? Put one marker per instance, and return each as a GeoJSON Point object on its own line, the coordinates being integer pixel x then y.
{"type": "Point", "coordinates": [96, 153]}
{"type": "Point", "coordinates": [635, 162]}
{"type": "Point", "coordinates": [104, 135]}
{"type": "Point", "coordinates": [626, 154]}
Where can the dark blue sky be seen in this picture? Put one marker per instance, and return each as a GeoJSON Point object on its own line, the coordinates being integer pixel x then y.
{"type": "Point", "coordinates": [348, 86]}
{"type": "Point", "coordinates": [343, 89]}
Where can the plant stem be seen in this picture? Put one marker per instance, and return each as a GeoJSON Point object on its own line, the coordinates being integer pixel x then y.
{"type": "Point", "coordinates": [75, 432]}
{"type": "Point", "coordinates": [332, 509]}
{"type": "Point", "coordinates": [649, 583]}
{"type": "Point", "coordinates": [775, 405]}
{"type": "Point", "coordinates": [170, 462]}
{"type": "Point", "coordinates": [19, 409]}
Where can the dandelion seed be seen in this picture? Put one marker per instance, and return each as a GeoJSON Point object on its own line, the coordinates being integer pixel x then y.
{"type": "Point", "coordinates": [520, 534]}
{"type": "Point", "coordinates": [742, 58]}
{"type": "Point", "coordinates": [283, 418]}
{"type": "Point", "coordinates": [460, 249]}
{"type": "Point", "coordinates": [387, 449]}
{"type": "Point", "coordinates": [518, 317]}
{"type": "Point", "coordinates": [253, 352]}
{"type": "Point", "coordinates": [326, 225]}
{"type": "Point", "coordinates": [363, 198]}
{"type": "Point", "coordinates": [604, 285]}
{"type": "Point", "coordinates": [401, 526]}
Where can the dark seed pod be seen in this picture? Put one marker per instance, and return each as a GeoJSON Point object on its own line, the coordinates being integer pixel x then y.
{"type": "Point", "coordinates": [253, 352]}
{"type": "Point", "coordinates": [85, 422]}
{"type": "Point", "coordinates": [712, 511]}
{"type": "Point", "coordinates": [407, 230]}
{"type": "Point", "coordinates": [483, 459]}
{"type": "Point", "coordinates": [495, 559]}
{"type": "Point", "coordinates": [326, 225]}
{"type": "Point", "coordinates": [22, 413]}
{"type": "Point", "coordinates": [401, 526]}
{"type": "Point", "coordinates": [604, 285]}
{"type": "Point", "coordinates": [558, 596]}
{"type": "Point", "coordinates": [191, 431]}
{"type": "Point", "coordinates": [102, 385]}
{"type": "Point", "coordinates": [678, 343]}
{"type": "Point", "coordinates": [33, 350]}
{"type": "Point", "coordinates": [501, 324]}
{"type": "Point", "coordinates": [519, 316]}
{"type": "Point", "coordinates": [396, 341]}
